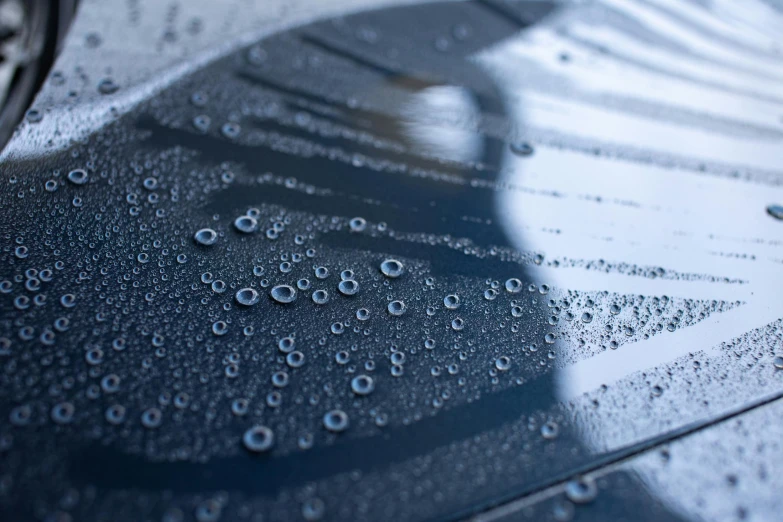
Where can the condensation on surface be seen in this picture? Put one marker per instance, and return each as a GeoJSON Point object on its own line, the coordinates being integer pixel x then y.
{"type": "Point", "coordinates": [404, 264]}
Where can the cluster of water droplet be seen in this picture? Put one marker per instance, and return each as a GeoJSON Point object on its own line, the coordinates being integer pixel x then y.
{"type": "Point", "coordinates": [156, 300]}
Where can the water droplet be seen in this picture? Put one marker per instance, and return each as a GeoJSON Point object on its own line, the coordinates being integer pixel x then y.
{"type": "Point", "coordinates": [78, 176]}
{"type": "Point", "coordinates": [202, 122]}
{"type": "Point", "coordinates": [490, 294]}
{"type": "Point", "coordinates": [230, 130]}
{"type": "Point", "coordinates": [239, 407]}
{"type": "Point", "coordinates": [274, 399]}
{"type": "Point", "coordinates": [205, 236]}
{"type": "Point", "coordinates": [246, 224]}
{"type": "Point", "coordinates": [776, 211]}
{"type": "Point", "coordinates": [358, 224]}
{"type": "Point", "coordinates": [107, 86]}
{"type": "Point", "coordinates": [522, 148]}
{"type": "Point", "coordinates": [199, 99]}
{"type": "Point", "coordinates": [34, 116]}
{"type": "Point", "coordinates": [320, 297]}
{"type": "Point", "coordinates": [587, 317]}
{"type": "Point", "coordinates": [451, 302]}
{"type": "Point", "coordinates": [397, 358]}
{"type": "Point", "coordinates": [513, 285]}
{"type": "Point", "coordinates": [295, 359]}
{"type": "Point", "coordinates": [247, 297]}
{"type": "Point", "coordinates": [258, 439]}
{"type": "Point", "coordinates": [348, 287]}
{"type": "Point", "coordinates": [392, 268]}
{"type": "Point", "coordinates": [550, 430]}
{"type": "Point", "coordinates": [20, 416]}
{"type": "Point", "coordinates": [283, 294]}
{"type": "Point", "coordinates": [280, 379]}
{"type": "Point", "coordinates": [151, 418]}
{"type": "Point", "coordinates": [219, 328]}
{"type": "Point", "coordinates": [362, 384]}
{"type": "Point", "coordinates": [286, 344]}
{"type": "Point", "coordinates": [396, 308]}
{"type": "Point", "coordinates": [778, 362]}
{"type": "Point", "coordinates": [503, 363]}
{"type": "Point", "coordinates": [581, 490]}
{"type": "Point", "coordinates": [115, 414]}
{"type": "Point", "coordinates": [336, 421]}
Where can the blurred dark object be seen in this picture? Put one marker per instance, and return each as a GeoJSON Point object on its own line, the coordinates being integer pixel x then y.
{"type": "Point", "coordinates": [31, 32]}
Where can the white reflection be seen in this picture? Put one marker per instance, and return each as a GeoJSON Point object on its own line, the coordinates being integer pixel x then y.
{"type": "Point", "coordinates": [428, 121]}
{"type": "Point", "coordinates": [633, 211]}
{"type": "Point", "coordinates": [667, 111]}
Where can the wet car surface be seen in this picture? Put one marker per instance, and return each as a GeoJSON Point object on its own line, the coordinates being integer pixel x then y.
{"type": "Point", "coordinates": [397, 261]}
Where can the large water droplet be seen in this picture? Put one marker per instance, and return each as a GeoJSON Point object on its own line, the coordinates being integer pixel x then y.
{"type": "Point", "coordinates": [283, 294]}
{"type": "Point", "coordinates": [295, 359]}
{"type": "Point", "coordinates": [396, 308]}
{"type": "Point", "coordinates": [246, 224]}
{"type": "Point", "coordinates": [358, 224]}
{"type": "Point", "coordinates": [514, 285]}
{"type": "Point", "coordinates": [320, 297]}
{"type": "Point", "coordinates": [392, 268]}
{"type": "Point", "coordinates": [503, 363]}
{"type": "Point", "coordinates": [348, 287]}
{"type": "Point", "coordinates": [78, 176]}
{"type": "Point", "coordinates": [247, 297]}
{"type": "Point", "coordinates": [362, 385]}
{"type": "Point", "coordinates": [205, 236]}
{"type": "Point", "coordinates": [451, 302]}
{"type": "Point", "coordinates": [286, 344]}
